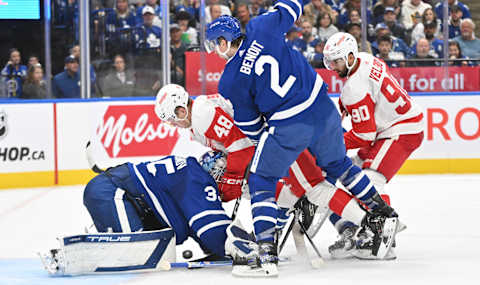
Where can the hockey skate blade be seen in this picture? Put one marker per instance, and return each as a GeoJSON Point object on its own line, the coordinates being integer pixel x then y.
{"type": "Point", "coordinates": [388, 234]}
{"type": "Point", "coordinates": [267, 270]}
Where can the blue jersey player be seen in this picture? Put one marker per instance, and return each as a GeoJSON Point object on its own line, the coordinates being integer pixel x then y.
{"type": "Point", "coordinates": [172, 192]}
{"type": "Point", "coordinates": [282, 103]}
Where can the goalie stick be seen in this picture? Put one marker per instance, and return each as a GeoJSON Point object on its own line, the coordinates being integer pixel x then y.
{"type": "Point", "coordinates": [165, 265]}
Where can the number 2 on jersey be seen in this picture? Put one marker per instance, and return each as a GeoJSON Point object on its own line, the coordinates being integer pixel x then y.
{"type": "Point", "coordinates": [281, 90]}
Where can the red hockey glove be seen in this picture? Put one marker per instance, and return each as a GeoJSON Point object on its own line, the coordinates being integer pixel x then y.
{"type": "Point", "coordinates": [230, 187]}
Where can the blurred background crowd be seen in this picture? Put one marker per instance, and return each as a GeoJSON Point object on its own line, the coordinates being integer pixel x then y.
{"type": "Point", "coordinates": [126, 40]}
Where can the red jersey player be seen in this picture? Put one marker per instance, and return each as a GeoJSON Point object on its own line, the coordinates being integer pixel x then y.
{"type": "Point", "coordinates": [209, 117]}
{"type": "Point", "coordinates": [387, 126]}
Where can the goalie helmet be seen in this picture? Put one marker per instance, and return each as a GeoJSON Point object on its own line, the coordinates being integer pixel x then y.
{"type": "Point", "coordinates": [214, 162]}
{"type": "Point", "coordinates": [339, 46]}
{"type": "Point", "coordinates": [168, 99]}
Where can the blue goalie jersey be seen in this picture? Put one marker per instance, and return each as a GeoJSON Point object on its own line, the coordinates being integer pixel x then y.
{"type": "Point", "coordinates": [267, 79]}
{"type": "Point", "coordinates": [185, 196]}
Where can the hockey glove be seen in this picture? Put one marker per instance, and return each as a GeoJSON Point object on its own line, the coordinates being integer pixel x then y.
{"type": "Point", "coordinates": [230, 187]}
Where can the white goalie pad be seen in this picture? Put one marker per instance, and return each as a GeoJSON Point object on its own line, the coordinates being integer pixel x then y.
{"type": "Point", "coordinates": [111, 253]}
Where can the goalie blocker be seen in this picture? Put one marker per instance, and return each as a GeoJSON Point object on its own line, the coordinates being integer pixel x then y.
{"type": "Point", "coordinates": [111, 253]}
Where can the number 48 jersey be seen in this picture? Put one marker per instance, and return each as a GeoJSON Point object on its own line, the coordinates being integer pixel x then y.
{"type": "Point", "coordinates": [379, 107]}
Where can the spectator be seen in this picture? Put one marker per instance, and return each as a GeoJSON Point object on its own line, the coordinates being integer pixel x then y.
{"type": "Point", "coordinates": [225, 10]}
{"type": "Point", "coordinates": [412, 10]}
{"type": "Point", "coordinates": [436, 45]}
{"type": "Point", "coordinates": [148, 59]}
{"type": "Point", "coordinates": [292, 36]}
{"type": "Point", "coordinates": [398, 44]}
{"type": "Point", "coordinates": [385, 52]}
{"type": "Point", "coordinates": [454, 21]}
{"type": "Point", "coordinates": [189, 33]}
{"type": "Point", "coordinates": [189, 6]}
{"type": "Point", "coordinates": [121, 18]}
{"type": "Point", "coordinates": [147, 36]}
{"type": "Point", "coordinates": [463, 7]}
{"type": "Point", "coordinates": [13, 74]}
{"type": "Point", "coordinates": [243, 15]}
{"type": "Point", "coordinates": [257, 7]}
{"type": "Point", "coordinates": [422, 54]}
{"type": "Point", "coordinates": [325, 27]}
{"type": "Point", "coordinates": [354, 16]}
{"type": "Point", "coordinates": [34, 87]}
{"type": "Point", "coordinates": [428, 16]}
{"type": "Point", "coordinates": [313, 10]}
{"type": "Point", "coordinates": [315, 58]}
{"type": "Point", "coordinates": [350, 5]}
{"type": "Point", "coordinates": [67, 83]}
{"type": "Point", "coordinates": [121, 81]}
{"type": "Point", "coordinates": [302, 43]}
{"type": "Point", "coordinates": [75, 51]}
{"type": "Point", "coordinates": [33, 60]}
{"type": "Point", "coordinates": [178, 49]}
{"type": "Point", "coordinates": [379, 9]}
{"type": "Point", "coordinates": [397, 29]}
{"type": "Point", "coordinates": [455, 52]}
{"type": "Point", "coordinates": [355, 29]}
{"type": "Point", "coordinates": [469, 44]}
{"type": "Point", "coordinates": [156, 11]}
{"type": "Point", "coordinates": [215, 11]}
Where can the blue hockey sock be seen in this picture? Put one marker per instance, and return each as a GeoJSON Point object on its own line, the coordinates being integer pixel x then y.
{"type": "Point", "coordinates": [264, 206]}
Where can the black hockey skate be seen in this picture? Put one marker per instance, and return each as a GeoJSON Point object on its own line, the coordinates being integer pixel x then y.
{"type": "Point", "coordinates": [382, 208]}
{"type": "Point", "coordinates": [376, 237]}
{"type": "Point", "coordinates": [345, 246]}
{"type": "Point", "coordinates": [307, 216]}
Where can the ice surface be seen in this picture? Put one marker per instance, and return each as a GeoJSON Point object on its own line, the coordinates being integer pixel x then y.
{"type": "Point", "coordinates": [440, 245]}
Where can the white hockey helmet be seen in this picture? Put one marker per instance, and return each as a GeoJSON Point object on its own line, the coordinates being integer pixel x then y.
{"type": "Point", "coordinates": [339, 46]}
{"type": "Point", "coordinates": [168, 99]}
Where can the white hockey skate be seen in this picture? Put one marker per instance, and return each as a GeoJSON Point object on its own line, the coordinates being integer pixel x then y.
{"type": "Point", "coordinates": [262, 265]}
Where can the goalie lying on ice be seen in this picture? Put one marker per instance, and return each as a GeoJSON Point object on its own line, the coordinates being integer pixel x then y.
{"type": "Point", "coordinates": [153, 205]}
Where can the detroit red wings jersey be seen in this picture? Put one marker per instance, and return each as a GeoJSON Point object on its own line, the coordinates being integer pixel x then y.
{"type": "Point", "coordinates": [212, 125]}
{"type": "Point", "coordinates": [379, 107]}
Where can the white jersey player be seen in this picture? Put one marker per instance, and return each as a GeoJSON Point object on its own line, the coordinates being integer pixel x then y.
{"type": "Point", "coordinates": [387, 125]}
{"type": "Point", "coordinates": [210, 119]}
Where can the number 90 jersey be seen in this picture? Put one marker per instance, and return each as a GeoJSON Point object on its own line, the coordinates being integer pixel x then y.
{"type": "Point", "coordinates": [379, 107]}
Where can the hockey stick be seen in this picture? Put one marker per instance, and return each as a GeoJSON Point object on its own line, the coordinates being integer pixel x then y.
{"type": "Point", "coordinates": [165, 265]}
{"type": "Point", "coordinates": [300, 244]}
{"type": "Point", "coordinates": [235, 208]}
{"type": "Point", "coordinates": [287, 233]}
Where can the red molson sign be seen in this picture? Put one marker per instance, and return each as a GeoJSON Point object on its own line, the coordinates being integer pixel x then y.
{"type": "Point", "coordinates": [135, 130]}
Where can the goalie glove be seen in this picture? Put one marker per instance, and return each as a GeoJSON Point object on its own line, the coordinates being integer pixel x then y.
{"type": "Point", "coordinates": [230, 187]}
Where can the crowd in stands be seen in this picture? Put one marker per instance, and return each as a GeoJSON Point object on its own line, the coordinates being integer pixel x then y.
{"type": "Point", "coordinates": [126, 40]}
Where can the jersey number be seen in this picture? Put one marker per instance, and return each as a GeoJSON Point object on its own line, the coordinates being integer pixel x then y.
{"type": "Point", "coordinates": [360, 114]}
{"type": "Point", "coordinates": [167, 162]}
{"type": "Point", "coordinates": [222, 126]}
{"type": "Point", "coordinates": [393, 91]}
{"type": "Point", "coordinates": [281, 90]}
{"type": "Point", "coordinates": [211, 194]}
